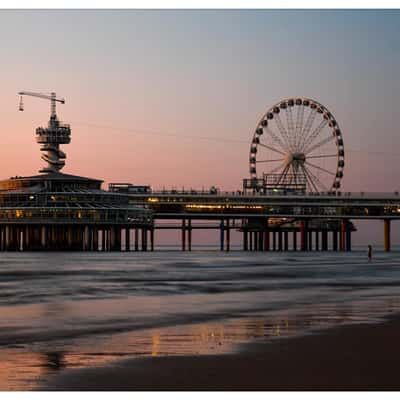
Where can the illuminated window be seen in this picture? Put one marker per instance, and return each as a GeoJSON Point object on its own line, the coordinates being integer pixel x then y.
{"type": "Point", "coordinates": [19, 213]}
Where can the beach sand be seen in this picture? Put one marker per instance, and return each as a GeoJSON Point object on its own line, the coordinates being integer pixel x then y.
{"type": "Point", "coordinates": [352, 357]}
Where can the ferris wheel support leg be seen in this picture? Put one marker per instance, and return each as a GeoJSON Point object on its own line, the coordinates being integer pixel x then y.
{"type": "Point", "coordinates": [386, 228]}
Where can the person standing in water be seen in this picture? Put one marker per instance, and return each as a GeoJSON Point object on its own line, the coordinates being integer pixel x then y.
{"type": "Point", "coordinates": [369, 252]}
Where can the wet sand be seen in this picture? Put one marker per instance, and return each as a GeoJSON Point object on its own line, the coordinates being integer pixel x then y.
{"type": "Point", "coordinates": [353, 357]}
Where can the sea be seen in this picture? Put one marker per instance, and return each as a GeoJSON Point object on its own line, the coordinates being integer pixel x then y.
{"type": "Point", "coordinates": [62, 311]}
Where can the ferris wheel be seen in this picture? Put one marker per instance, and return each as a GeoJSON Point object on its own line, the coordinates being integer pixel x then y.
{"type": "Point", "coordinates": [297, 146]}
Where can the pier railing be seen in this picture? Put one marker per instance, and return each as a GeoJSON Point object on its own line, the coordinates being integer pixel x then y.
{"type": "Point", "coordinates": [240, 193]}
{"type": "Point", "coordinates": [275, 193]}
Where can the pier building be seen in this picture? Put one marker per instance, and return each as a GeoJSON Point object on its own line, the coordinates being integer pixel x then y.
{"type": "Point", "coordinates": [58, 211]}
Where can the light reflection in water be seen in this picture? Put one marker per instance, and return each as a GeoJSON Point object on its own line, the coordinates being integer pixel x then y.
{"type": "Point", "coordinates": [24, 368]}
{"type": "Point", "coordinates": [155, 339]}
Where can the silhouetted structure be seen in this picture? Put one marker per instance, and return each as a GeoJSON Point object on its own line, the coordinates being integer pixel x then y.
{"type": "Point", "coordinates": [56, 211]}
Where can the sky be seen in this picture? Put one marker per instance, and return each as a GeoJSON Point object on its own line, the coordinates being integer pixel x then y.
{"type": "Point", "coordinates": [172, 97]}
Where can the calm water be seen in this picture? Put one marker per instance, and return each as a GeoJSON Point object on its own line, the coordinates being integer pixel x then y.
{"type": "Point", "coordinates": [71, 310]}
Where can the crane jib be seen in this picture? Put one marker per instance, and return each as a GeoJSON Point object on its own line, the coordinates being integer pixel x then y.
{"type": "Point", "coordinates": [51, 97]}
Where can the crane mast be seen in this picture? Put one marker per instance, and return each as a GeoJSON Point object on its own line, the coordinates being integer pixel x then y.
{"type": "Point", "coordinates": [51, 137]}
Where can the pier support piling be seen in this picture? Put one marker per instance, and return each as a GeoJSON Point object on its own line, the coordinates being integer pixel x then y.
{"type": "Point", "coordinates": [228, 236]}
{"type": "Point", "coordinates": [127, 239]}
{"type": "Point", "coordinates": [317, 240]}
{"type": "Point", "coordinates": [136, 239]}
{"type": "Point", "coordinates": [221, 235]}
{"type": "Point", "coordinates": [348, 238]}
{"type": "Point", "coordinates": [183, 235]}
{"type": "Point", "coordinates": [386, 229]}
{"type": "Point", "coordinates": [343, 228]}
{"type": "Point", "coordinates": [261, 241]}
{"type": "Point", "coordinates": [303, 235]}
{"type": "Point", "coordinates": [335, 240]}
{"type": "Point", "coordinates": [280, 247]}
{"type": "Point", "coordinates": [189, 231]}
{"type": "Point", "coordinates": [266, 236]}
{"type": "Point", "coordinates": [152, 240]}
{"type": "Point", "coordinates": [245, 240]}
{"type": "Point", "coordinates": [324, 240]}
{"type": "Point", "coordinates": [286, 240]}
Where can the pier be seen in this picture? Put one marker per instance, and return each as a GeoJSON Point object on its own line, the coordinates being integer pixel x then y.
{"type": "Point", "coordinates": [293, 204]}
{"type": "Point", "coordinates": [276, 221]}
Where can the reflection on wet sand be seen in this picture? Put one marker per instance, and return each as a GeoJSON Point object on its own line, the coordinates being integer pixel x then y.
{"type": "Point", "coordinates": [155, 341]}
{"type": "Point", "coordinates": [23, 369]}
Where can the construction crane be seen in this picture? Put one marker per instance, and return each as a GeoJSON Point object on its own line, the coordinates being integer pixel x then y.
{"type": "Point", "coordinates": [52, 97]}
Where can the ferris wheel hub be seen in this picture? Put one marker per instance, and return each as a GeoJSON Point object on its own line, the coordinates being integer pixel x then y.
{"type": "Point", "coordinates": [295, 158]}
